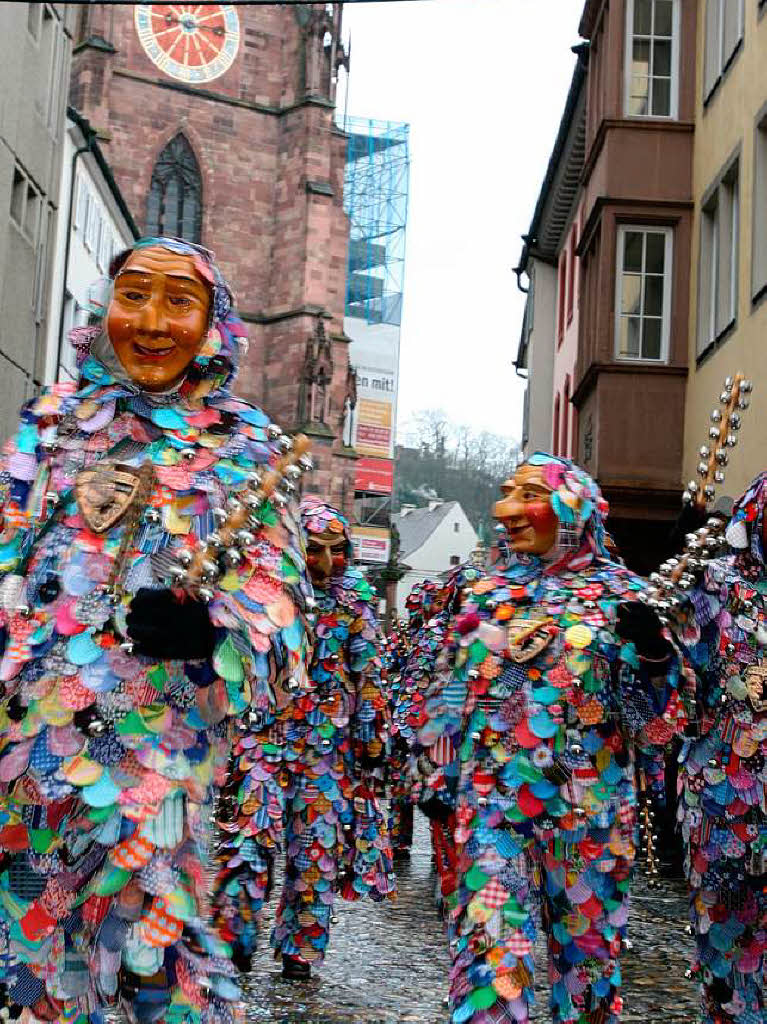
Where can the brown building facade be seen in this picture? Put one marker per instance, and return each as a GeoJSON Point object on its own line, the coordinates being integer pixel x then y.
{"type": "Point", "coordinates": [218, 124]}
{"type": "Point", "coordinates": [634, 252]}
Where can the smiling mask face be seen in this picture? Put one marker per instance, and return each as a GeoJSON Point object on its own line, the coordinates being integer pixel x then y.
{"type": "Point", "coordinates": [158, 317]}
{"type": "Point", "coordinates": [525, 511]}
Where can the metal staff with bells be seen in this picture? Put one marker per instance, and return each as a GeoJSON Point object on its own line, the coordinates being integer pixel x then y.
{"type": "Point", "coordinates": [196, 569]}
{"type": "Point", "coordinates": [677, 575]}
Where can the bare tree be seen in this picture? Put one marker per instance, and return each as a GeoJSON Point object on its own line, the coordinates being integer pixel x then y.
{"type": "Point", "coordinates": [455, 463]}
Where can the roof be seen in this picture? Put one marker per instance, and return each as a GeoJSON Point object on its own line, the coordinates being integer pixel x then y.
{"type": "Point", "coordinates": [563, 174]}
{"type": "Point", "coordinates": [418, 524]}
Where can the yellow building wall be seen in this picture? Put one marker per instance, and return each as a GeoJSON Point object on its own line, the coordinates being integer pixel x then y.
{"type": "Point", "coordinates": [729, 121]}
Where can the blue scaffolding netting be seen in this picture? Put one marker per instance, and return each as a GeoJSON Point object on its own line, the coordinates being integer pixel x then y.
{"type": "Point", "coordinates": [375, 200]}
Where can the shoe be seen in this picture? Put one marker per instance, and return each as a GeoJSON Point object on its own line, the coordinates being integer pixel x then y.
{"type": "Point", "coordinates": [295, 969]}
{"type": "Point", "coordinates": [242, 960]}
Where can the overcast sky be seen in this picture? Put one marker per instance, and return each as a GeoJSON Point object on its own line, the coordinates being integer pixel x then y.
{"type": "Point", "coordinates": [483, 85]}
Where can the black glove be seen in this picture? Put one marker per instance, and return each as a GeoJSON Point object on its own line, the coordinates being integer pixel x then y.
{"type": "Point", "coordinates": [164, 627]}
{"type": "Point", "coordinates": [691, 518]}
{"type": "Point", "coordinates": [637, 623]}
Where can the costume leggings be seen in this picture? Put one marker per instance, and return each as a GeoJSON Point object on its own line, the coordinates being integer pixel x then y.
{"type": "Point", "coordinates": [445, 858]}
{"type": "Point", "coordinates": [583, 889]}
{"type": "Point", "coordinates": [401, 823]}
{"type": "Point", "coordinates": [729, 915]}
{"type": "Point", "coordinates": [245, 878]}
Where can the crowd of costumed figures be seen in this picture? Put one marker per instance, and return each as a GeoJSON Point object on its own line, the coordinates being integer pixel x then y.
{"type": "Point", "coordinates": [194, 685]}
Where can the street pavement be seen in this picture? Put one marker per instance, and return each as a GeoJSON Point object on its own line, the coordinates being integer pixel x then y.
{"type": "Point", "coordinates": [387, 963]}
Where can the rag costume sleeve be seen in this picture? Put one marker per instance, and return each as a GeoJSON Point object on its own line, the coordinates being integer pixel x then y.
{"type": "Point", "coordinates": [25, 480]}
{"type": "Point", "coordinates": [446, 705]}
{"type": "Point", "coordinates": [371, 725]}
{"type": "Point", "coordinates": [259, 611]}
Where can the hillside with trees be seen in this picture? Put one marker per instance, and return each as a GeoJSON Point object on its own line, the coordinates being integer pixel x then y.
{"type": "Point", "coordinates": [454, 463]}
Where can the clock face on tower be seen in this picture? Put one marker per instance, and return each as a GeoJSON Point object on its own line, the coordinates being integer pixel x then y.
{"type": "Point", "coordinates": [193, 43]}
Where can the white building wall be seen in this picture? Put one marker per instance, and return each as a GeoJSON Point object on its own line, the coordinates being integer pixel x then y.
{"type": "Point", "coordinates": [98, 232]}
{"type": "Point", "coordinates": [540, 360]}
{"type": "Point", "coordinates": [433, 557]}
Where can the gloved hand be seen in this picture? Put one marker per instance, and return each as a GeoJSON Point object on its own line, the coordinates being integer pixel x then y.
{"type": "Point", "coordinates": [637, 623]}
{"type": "Point", "coordinates": [163, 626]}
{"type": "Point", "coordinates": [690, 518]}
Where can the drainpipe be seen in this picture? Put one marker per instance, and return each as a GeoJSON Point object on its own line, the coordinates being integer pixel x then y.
{"type": "Point", "coordinates": [90, 138]}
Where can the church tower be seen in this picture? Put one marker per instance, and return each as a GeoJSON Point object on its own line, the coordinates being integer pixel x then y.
{"type": "Point", "coordinates": [217, 121]}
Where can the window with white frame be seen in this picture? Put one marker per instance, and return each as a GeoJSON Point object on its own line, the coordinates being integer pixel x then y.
{"type": "Point", "coordinates": [105, 249]}
{"type": "Point", "coordinates": [718, 274]}
{"type": "Point", "coordinates": [724, 32]}
{"type": "Point", "coordinates": [652, 58]}
{"type": "Point", "coordinates": [93, 231]}
{"type": "Point", "coordinates": [759, 261]}
{"type": "Point", "coordinates": [643, 293]}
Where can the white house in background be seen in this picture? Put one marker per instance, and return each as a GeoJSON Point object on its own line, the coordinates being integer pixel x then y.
{"type": "Point", "coordinates": [432, 540]}
{"type": "Point", "coordinates": [94, 224]}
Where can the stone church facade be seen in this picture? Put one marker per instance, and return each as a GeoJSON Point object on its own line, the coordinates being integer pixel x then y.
{"type": "Point", "coordinates": [218, 122]}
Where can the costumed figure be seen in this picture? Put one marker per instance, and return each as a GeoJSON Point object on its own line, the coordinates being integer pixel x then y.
{"type": "Point", "coordinates": [723, 777]}
{"type": "Point", "coordinates": [406, 699]}
{"type": "Point", "coordinates": [121, 692]}
{"type": "Point", "coordinates": [541, 697]}
{"type": "Point", "coordinates": [322, 809]}
{"type": "Point", "coordinates": [429, 644]}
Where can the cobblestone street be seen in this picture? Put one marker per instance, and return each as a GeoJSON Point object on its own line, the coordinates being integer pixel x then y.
{"type": "Point", "coordinates": [388, 962]}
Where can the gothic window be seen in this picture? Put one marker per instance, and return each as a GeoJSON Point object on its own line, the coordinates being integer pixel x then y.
{"type": "Point", "coordinates": [174, 206]}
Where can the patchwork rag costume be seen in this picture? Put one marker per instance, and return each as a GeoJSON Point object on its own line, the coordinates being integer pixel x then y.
{"type": "Point", "coordinates": [322, 807]}
{"type": "Point", "coordinates": [407, 686]}
{"type": "Point", "coordinates": [723, 777]}
{"type": "Point", "coordinates": [109, 759]}
{"type": "Point", "coordinates": [540, 700]}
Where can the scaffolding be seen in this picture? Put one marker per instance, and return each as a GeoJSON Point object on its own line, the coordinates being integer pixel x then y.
{"type": "Point", "coordinates": [376, 200]}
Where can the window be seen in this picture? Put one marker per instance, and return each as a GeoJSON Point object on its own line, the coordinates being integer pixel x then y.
{"type": "Point", "coordinates": [565, 419]}
{"type": "Point", "coordinates": [92, 231]}
{"type": "Point", "coordinates": [174, 206]}
{"type": "Point", "coordinates": [719, 237]}
{"type": "Point", "coordinates": [31, 211]}
{"type": "Point", "coordinates": [18, 197]}
{"type": "Point", "coordinates": [562, 289]}
{"type": "Point", "coordinates": [372, 509]}
{"type": "Point", "coordinates": [455, 560]}
{"type": "Point", "coordinates": [571, 275]}
{"type": "Point", "coordinates": [34, 14]}
{"type": "Point", "coordinates": [456, 527]}
{"type": "Point", "coordinates": [759, 262]}
{"type": "Point", "coordinates": [555, 443]}
{"type": "Point", "coordinates": [105, 249]}
{"type": "Point", "coordinates": [652, 58]}
{"type": "Point", "coordinates": [643, 293]}
{"type": "Point", "coordinates": [724, 32]}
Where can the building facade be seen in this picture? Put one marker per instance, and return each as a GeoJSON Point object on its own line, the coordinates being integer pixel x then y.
{"type": "Point", "coordinates": [535, 355]}
{"type": "Point", "coordinates": [93, 226]}
{"type": "Point", "coordinates": [549, 343]}
{"type": "Point", "coordinates": [433, 539]}
{"type": "Point", "coordinates": [635, 250]}
{"type": "Point", "coordinates": [35, 48]}
{"type": "Point", "coordinates": [218, 122]}
{"type": "Point", "coordinates": [728, 293]}
{"type": "Point", "coordinates": [376, 200]}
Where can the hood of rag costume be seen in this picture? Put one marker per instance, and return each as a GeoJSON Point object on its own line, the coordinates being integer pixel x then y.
{"type": "Point", "coordinates": [318, 517]}
{"type": "Point", "coordinates": [744, 532]}
{"type": "Point", "coordinates": [581, 511]}
{"type": "Point", "coordinates": [215, 366]}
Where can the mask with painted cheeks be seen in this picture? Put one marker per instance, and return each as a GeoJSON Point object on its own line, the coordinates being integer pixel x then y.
{"type": "Point", "coordinates": [158, 316]}
{"type": "Point", "coordinates": [525, 510]}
